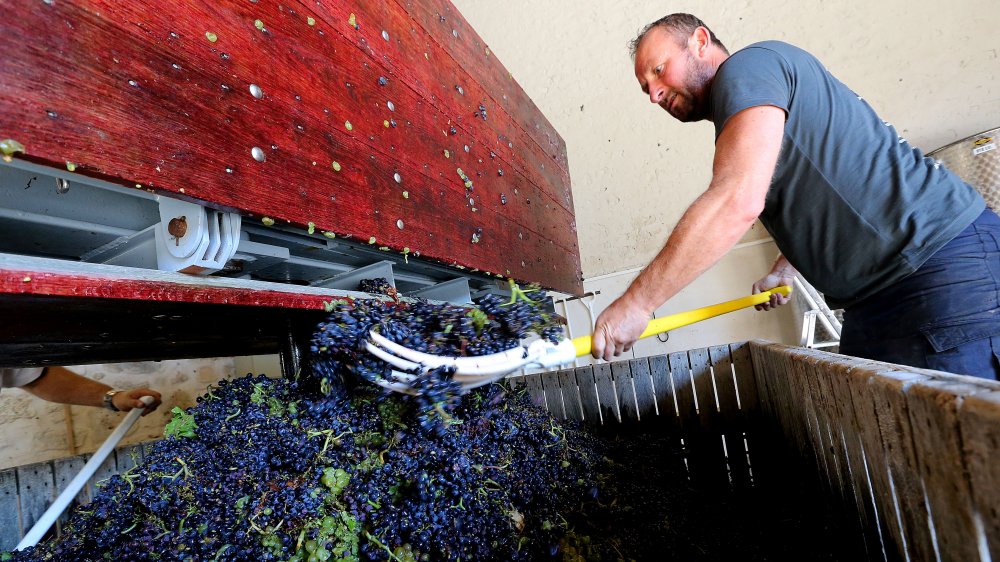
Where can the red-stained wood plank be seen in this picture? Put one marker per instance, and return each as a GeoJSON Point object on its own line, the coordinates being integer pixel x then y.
{"type": "Point", "coordinates": [449, 28]}
{"type": "Point", "coordinates": [138, 94]}
{"type": "Point", "coordinates": [48, 283]}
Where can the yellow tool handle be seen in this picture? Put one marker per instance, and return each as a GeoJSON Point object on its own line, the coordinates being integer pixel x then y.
{"type": "Point", "coordinates": [667, 323]}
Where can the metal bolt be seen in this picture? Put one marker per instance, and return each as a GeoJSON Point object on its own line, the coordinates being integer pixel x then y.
{"type": "Point", "coordinates": [390, 105]}
{"type": "Point", "coordinates": [258, 154]}
{"type": "Point", "coordinates": [62, 186]}
{"type": "Point", "coordinates": [177, 227]}
{"type": "Point", "coordinates": [256, 91]}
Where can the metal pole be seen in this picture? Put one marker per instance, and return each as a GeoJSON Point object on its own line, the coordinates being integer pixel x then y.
{"type": "Point", "coordinates": [45, 522]}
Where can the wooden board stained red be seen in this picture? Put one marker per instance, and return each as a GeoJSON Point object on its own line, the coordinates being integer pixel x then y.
{"type": "Point", "coordinates": [400, 96]}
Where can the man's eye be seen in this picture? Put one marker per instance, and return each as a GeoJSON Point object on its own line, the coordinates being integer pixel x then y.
{"type": "Point", "coordinates": [658, 70]}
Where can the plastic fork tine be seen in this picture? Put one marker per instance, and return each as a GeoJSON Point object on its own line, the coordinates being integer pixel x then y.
{"type": "Point", "coordinates": [391, 359]}
{"type": "Point", "coordinates": [461, 364]}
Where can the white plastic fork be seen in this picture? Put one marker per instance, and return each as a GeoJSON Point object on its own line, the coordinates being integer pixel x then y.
{"type": "Point", "coordinates": [469, 372]}
{"type": "Point", "coordinates": [475, 371]}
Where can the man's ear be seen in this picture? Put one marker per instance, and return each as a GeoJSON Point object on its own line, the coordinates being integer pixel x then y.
{"type": "Point", "coordinates": [700, 40]}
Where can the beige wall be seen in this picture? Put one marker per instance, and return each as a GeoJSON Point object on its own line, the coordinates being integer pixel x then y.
{"type": "Point", "coordinates": [32, 430]}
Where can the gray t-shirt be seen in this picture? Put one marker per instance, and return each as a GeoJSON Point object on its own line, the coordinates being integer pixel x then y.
{"type": "Point", "coordinates": [10, 377]}
{"type": "Point", "coordinates": [852, 205]}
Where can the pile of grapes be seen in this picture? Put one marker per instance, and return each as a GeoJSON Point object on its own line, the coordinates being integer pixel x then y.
{"type": "Point", "coordinates": [324, 467]}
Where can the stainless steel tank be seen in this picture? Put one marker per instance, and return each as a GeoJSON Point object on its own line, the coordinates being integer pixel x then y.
{"type": "Point", "coordinates": [976, 160]}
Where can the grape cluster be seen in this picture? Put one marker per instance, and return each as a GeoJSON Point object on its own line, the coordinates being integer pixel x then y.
{"type": "Point", "coordinates": [492, 325]}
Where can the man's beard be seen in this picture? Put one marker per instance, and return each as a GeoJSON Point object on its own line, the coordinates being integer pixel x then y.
{"type": "Point", "coordinates": [699, 78]}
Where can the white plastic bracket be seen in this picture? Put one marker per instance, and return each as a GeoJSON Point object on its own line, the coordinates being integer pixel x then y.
{"type": "Point", "coordinates": [200, 240]}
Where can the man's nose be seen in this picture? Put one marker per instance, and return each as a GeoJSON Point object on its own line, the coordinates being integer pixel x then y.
{"type": "Point", "coordinates": [657, 95]}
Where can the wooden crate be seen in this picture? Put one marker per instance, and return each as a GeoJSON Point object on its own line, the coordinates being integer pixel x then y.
{"type": "Point", "coordinates": [910, 457]}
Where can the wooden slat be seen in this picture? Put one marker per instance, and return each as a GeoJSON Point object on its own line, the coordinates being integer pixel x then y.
{"type": "Point", "coordinates": [107, 469]}
{"type": "Point", "coordinates": [516, 384]}
{"type": "Point", "coordinates": [642, 379]}
{"type": "Point", "coordinates": [888, 392]}
{"type": "Point", "coordinates": [876, 441]}
{"type": "Point", "coordinates": [725, 385]}
{"type": "Point", "coordinates": [588, 394]}
{"type": "Point", "coordinates": [147, 448]}
{"type": "Point", "coordinates": [64, 471]}
{"type": "Point", "coordinates": [36, 491]}
{"type": "Point", "coordinates": [197, 122]}
{"type": "Point", "coordinates": [746, 384]}
{"type": "Point", "coordinates": [701, 375]}
{"type": "Point", "coordinates": [553, 393]}
{"type": "Point", "coordinates": [666, 404]}
{"type": "Point", "coordinates": [831, 376]}
{"type": "Point", "coordinates": [825, 436]}
{"type": "Point", "coordinates": [680, 374]}
{"type": "Point", "coordinates": [624, 391]}
{"type": "Point", "coordinates": [571, 394]}
{"type": "Point", "coordinates": [790, 405]}
{"type": "Point", "coordinates": [765, 361]}
{"type": "Point", "coordinates": [934, 418]}
{"type": "Point", "coordinates": [731, 425]}
{"type": "Point", "coordinates": [603, 377]}
{"type": "Point", "coordinates": [535, 390]}
{"type": "Point", "coordinates": [979, 421]}
{"type": "Point", "coordinates": [10, 520]}
{"type": "Point", "coordinates": [128, 457]}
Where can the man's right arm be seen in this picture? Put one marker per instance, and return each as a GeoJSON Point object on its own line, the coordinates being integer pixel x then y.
{"type": "Point", "coordinates": [746, 155]}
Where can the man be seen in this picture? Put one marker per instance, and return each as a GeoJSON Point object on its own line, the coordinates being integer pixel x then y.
{"type": "Point", "coordinates": [902, 244]}
{"type": "Point", "coordinates": [58, 384]}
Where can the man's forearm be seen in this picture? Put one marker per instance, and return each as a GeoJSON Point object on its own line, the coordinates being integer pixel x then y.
{"type": "Point", "coordinates": [711, 227]}
{"type": "Point", "coordinates": [64, 386]}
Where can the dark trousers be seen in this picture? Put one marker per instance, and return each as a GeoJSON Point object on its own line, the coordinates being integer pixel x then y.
{"type": "Point", "coordinates": [945, 316]}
